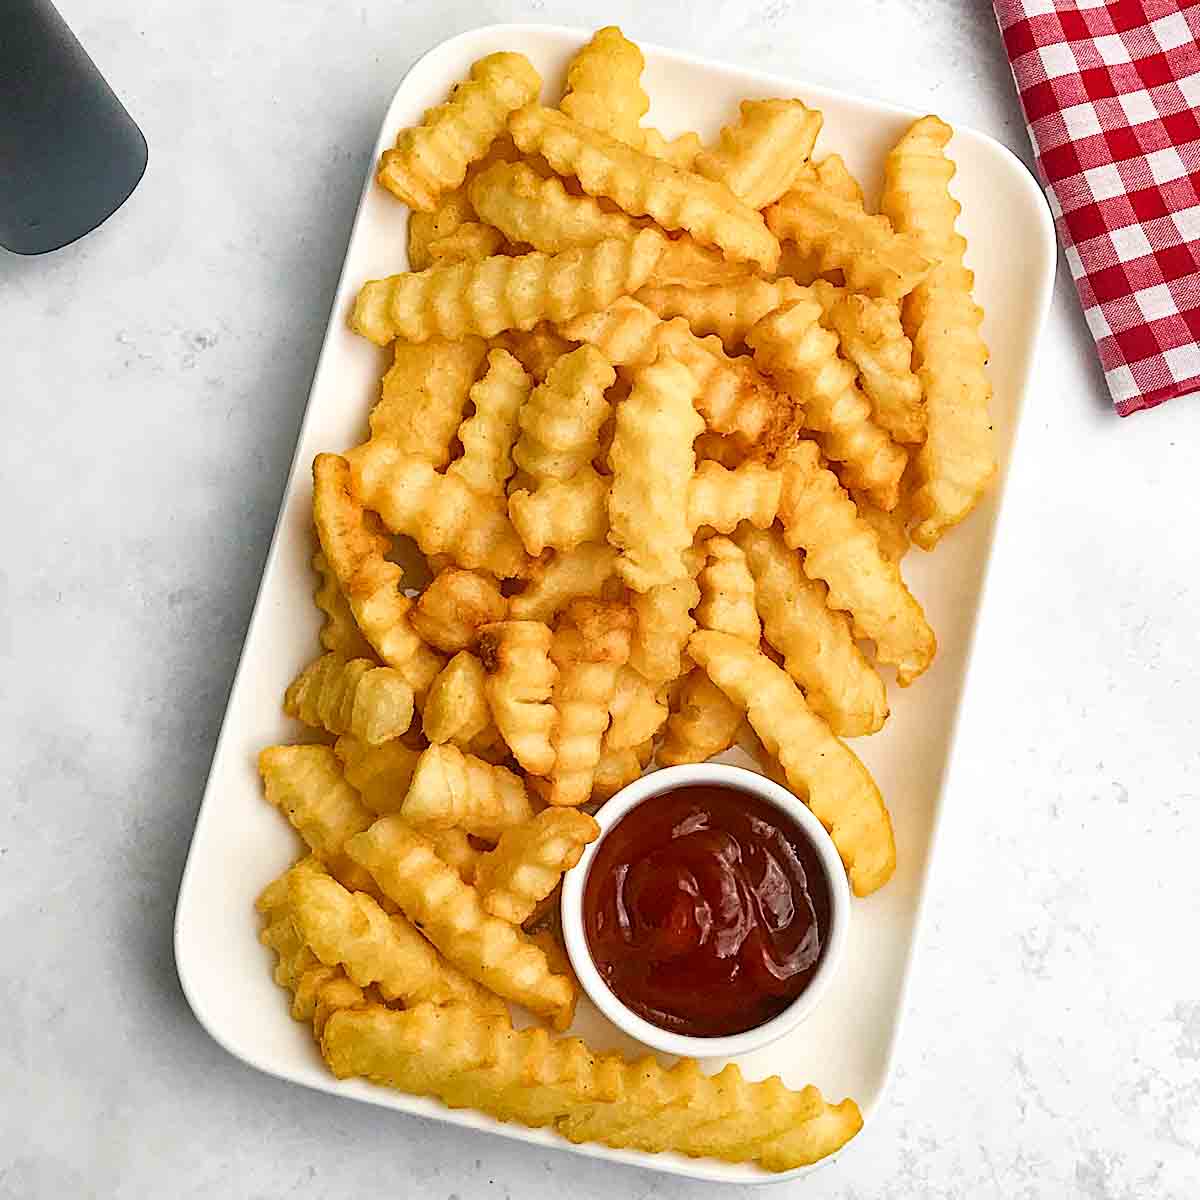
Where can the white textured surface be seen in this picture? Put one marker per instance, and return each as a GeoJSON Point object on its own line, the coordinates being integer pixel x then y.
{"type": "Point", "coordinates": [153, 378]}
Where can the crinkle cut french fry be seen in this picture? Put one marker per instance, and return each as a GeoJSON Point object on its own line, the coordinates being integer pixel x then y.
{"type": "Point", "coordinates": [703, 722]}
{"type": "Point", "coordinates": [653, 463]}
{"type": "Point", "coordinates": [456, 708]}
{"type": "Point", "coordinates": [664, 624]}
{"type": "Point", "coordinates": [348, 929]}
{"type": "Point", "coordinates": [761, 156]}
{"type": "Point", "coordinates": [721, 498]}
{"type": "Point", "coordinates": [339, 633]}
{"type": "Point", "coordinates": [728, 310]}
{"type": "Point", "coordinates": [450, 789]}
{"type": "Point", "coordinates": [604, 89]}
{"type": "Point", "coordinates": [433, 157]}
{"type": "Point", "coordinates": [619, 768]}
{"type": "Point", "coordinates": [380, 774]}
{"type": "Point", "coordinates": [530, 859]}
{"type": "Point", "coordinates": [536, 349]}
{"type": "Point", "coordinates": [499, 293]}
{"type": "Point", "coordinates": [453, 210]}
{"type": "Point", "coordinates": [560, 424]}
{"type": "Point", "coordinates": [448, 911]}
{"type": "Point", "coordinates": [727, 599]}
{"type": "Point", "coordinates": [686, 263]}
{"type": "Point", "coordinates": [356, 549]}
{"type": "Point", "coordinates": [530, 1077]}
{"type": "Point", "coordinates": [561, 513]}
{"type": "Point", "coordinates": [520, 683]}
{"type": "Point", "coordinates": [565, 576]}
{"type": "Point", "coordinates": [841, 549]}
{"type": "Point", "coordinates": [541, 212]}
{"type": "Point", "coordinates": [306, 784]}
{"type": "Point", "coordinates": [635, 710]}
{"type": "Point", "coordinates": [453, 607]}
{"type": "Point", "coordinates": [820, 768]}
{"type": "Point", "coordinates": [872, 256]}
{"type": "Point", "coordinates": [590, 646]}
{"type": "Point", "coordinates": [891, 528]}
{"type": "Point", "coordinates": [454, 848]}
{"type": "Point", "coordinates": [488, 435]}
{"type": "Point", "coordinates": [958, 459]}
{"type": "Point", "coordinates": [472, 241]}
{"type": "Point", "coordinates": [424, 393]}
{"type": "Point", "coordinates": [439, 512]}
{"type": "Point", "coordinates": [873, 339]}
{"type": "Point", "coordinates": [816, 641]}
{"type": "Point", "coordinates": [733, 397]}
{"type": "Point", "coordinates": [644, 186]}
{"type": "Point", "coordinates": [351, 696]}
{"type": "Point", "coordinates": [796, 350]}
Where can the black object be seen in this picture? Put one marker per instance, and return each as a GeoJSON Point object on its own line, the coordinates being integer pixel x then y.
{"type": "Point", "coordinates": [70, 155]}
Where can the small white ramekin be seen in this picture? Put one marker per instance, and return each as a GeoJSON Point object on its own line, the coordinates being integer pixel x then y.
{"type": "Point", "coordinates": [738, 779]}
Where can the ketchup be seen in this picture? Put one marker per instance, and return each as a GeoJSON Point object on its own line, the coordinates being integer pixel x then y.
{"type": "Point", "coordinates": [706, 910]}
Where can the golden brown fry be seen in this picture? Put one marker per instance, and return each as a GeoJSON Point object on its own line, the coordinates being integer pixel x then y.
{"type": "Point", "coordinates": [380, 774]}
{"type": "Point", "coordinates": [348, 929]}
{"type": "Point", "coordinates": [561, 422]}
{"type": "Point", "coordinates": [424, 395]}
{"type": "Point", "coordinates": [451, 610]}
{"type": "Point", "coordinates": [619, 768]}
{"type": "Point", "coordinates": [542, 213]}
{"type": "Point", "coordinates": [686, 263]}
{"type": "Point", "coordinates": [728, 310]}
{"type": "Point", "coordinates": [530, 859]}
{"type": "Point", "coordinates": [653, 463]}
{"type": "Point", "coordinates": [792, 346]}
{"type": "Point", "coordinates": [873, 339]}
{"type": "Point", "coordinates": [871, 255]}
{"type": "Point", "coordinates": [727, 598]}
{"type": "Point", "coordinates": [590, 646]}
{"type": "Point", "coordinates": [356, 550]}
{"type": "Point", "coordinates": [820, 768]}
{"type": "Point", "coordinates": [760, 157]}
{"type": "Point", "coordinates": [453, 790]}
{"type": "Point", "coordinates": [439, 512]}
{"type": "Point", "coordinates": [536, 349]}
{"type": "Point", "coordinates": [351, 696]}
{"type": "Point", "coordinates": [470, 242]}
{"type": "Point", "coordinates": [454, 848]}
{"type": "Point", "coordinates": [834, 176]}
{"type": "Point", "coordinates": [645, 186]}
{"type": "Point", "coordinates": [721, 498]}
{"type": "Point", "coordinates": [841, 549]}
{"type": "Point", "coordinates": [305, 783]}
{"type": "Point", "coordinates": [339, 633]}
{"type": "Point", "coordinates": [499, 293]}
{"type": "Point", "coordinates": [891, 528]}
{"type": "Point", "coordinates": [530, 1077]}
{"type": "Point", "coordinates": [488, 435]}
{"type": "Point", "coordinates": [520, 683]}
{"type": "Point", "coordinates": [561, 514]}
{"type": "Point", "coordinates": [733, 397]}
{"type": "Point", "coordinates": [958, 459]}
{"type": "Point", "coordinates": [635, 711]}
{"type": "Point", "coordinates": [703, 722]}
{"type": "Point", "coordinates": [679, 151]}
{"type": "Point", "coordinates": [816, 641]}
{"type": "Point", "coordinates": [433, 157]}
{"type": "Point", "coordinates": [456, 709]}
{"type": "Point", "coordinates": [604, 88]}
{"type": "Point", "coordinates": [553, 584]}
{"type": "Point", "coordinates": [449, 912]}
{"type": "Point", "coordinates": [453, 210]}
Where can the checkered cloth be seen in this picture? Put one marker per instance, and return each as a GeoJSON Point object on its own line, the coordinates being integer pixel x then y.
{"type": "Point", "coordinates": [1108, 88]}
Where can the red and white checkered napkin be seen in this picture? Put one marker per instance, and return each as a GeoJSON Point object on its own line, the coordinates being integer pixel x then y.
{"type": "Point", "coordinates": [1109, 88]}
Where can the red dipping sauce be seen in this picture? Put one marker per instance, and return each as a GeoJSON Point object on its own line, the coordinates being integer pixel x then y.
{"type": "Point", "coordinates": [706, 910]}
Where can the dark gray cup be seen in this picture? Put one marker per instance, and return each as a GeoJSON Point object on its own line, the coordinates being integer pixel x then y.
{"type": "Point", "coordinates": [70, 154]}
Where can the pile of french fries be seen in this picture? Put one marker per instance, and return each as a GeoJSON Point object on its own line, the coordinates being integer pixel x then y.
{"type": "Point", "coordinates": [662, 419]}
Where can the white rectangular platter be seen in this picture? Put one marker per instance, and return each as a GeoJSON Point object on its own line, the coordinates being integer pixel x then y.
{"type": "Point", "coordinates": [240, 842]}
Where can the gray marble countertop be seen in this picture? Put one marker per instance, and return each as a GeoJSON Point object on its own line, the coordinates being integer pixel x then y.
{"type": "Point", "coordinates": [153, 380]}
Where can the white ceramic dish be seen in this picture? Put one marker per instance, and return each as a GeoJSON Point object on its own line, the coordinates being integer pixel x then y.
{"type": "Point", "coordinates": [734, 1045]}
{"type": "Point", "coordinates": [846, 1047]}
